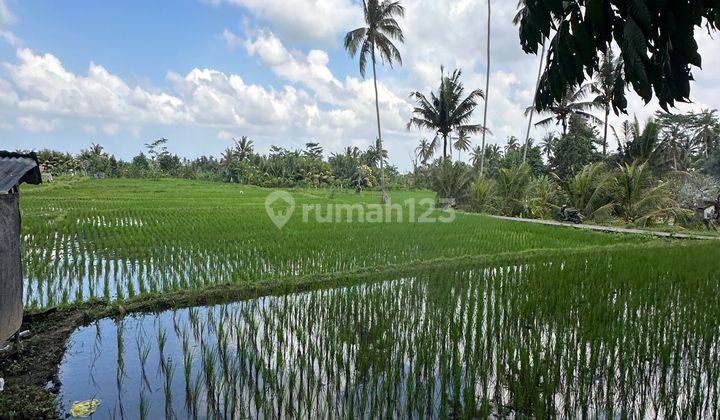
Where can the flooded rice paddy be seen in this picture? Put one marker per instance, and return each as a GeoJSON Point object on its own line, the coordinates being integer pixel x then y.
{"type": "Point", "coordinates": [116, 239]}
{"type": "Point", "coordinates": [607, 334]}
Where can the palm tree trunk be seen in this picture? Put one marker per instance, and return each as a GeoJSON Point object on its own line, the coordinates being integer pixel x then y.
{"type": "Point", "coordinates": [445, 142]}
{"type": "Point", "coordinates": [383, 199]}
{"type": "Point", "coordinates": [607, 113]}
{"type": "Point", "coordinates": [532, 109]}
{"type": "Point", "coordinates": [487, 93]}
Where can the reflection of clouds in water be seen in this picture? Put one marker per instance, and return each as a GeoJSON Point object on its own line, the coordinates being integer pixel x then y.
{"type": "Point", "coordinates": [435, 344]}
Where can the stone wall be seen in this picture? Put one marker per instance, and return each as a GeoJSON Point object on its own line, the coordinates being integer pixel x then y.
{"type": "Point", "coordinates": [11, 306]}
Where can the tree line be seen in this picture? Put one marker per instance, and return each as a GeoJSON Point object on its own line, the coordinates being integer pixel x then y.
{"type": "Point", "coordinates": [281, 167]}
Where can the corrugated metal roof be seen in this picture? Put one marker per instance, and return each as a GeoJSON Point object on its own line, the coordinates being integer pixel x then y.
{"type": "Point", "coordinates": [12, 169]}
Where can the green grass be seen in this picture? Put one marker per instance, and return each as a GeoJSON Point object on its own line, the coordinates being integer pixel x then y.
{"type": "Point", "coordinates": [119, 239]}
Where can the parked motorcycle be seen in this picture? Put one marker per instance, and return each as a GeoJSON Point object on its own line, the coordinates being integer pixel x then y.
{"type": "Point", "coordinates": [569, 215]}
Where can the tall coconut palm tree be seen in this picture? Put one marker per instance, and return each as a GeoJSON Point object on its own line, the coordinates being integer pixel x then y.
{"type": "Point", "coordinates": [446, 111]}
{"type": "Point", "coordinates": [572, 103]}
{"type": "Point", "coordinates": [375, 155]}
{"type": "Point", "coordinates": [476, 156]}
{"type": "Point", "coordinates": [707, 131]}
{"type": "Point", "coordinates": [547, 145]}
{"type": "Point", "coordinates": [462, 143]}
{"type": "Point", "coordinates": [375, 38]}
{"type": "Point", "coordinates": [532, 108]}
{"type": "Point", "coordinates": [625, 137]}
{"type": "Point", "coordinates": [608, 86]}
{"type": "Point", "coordinates": [487, 89]}
{"type": "Point", "coordinates": [426, 150]}
{"type": "Point", "coordinates": [243, 148]}
{"type": "Point", "coordinates": [512, 144]}
{"type": "Point", "coordinates": [523, 11]}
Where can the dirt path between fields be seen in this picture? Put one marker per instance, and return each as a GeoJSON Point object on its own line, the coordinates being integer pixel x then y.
{"type": "Point", "coordinates": [611, 229]}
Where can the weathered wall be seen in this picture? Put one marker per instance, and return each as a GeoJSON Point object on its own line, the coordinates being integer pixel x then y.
{"type": "Point", "coordinates": [10, 269]}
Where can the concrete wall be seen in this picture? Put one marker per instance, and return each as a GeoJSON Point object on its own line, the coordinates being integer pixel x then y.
{"type": "Point", "coordinates": [11, 306]}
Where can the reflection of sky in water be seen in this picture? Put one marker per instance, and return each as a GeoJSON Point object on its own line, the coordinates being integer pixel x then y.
{"type": "Point", "coordinates": [415, 346]}
{"type": "Point", "coordinates": [89, 369]}
{"type": "Point", "coordinates": [90, 366]}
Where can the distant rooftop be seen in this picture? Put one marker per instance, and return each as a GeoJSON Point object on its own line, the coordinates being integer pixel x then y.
{"type": "Point", "coordinates": [18, 168]}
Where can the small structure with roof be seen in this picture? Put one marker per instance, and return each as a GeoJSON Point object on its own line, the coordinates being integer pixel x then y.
{"type": "Point", "coordinates": [15, 169]}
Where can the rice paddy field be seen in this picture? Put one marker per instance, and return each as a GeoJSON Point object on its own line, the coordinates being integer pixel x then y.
{"type": "Point", "coordinates": [470, 319]}
{"type": "Point", "coordinates": [115, 239]}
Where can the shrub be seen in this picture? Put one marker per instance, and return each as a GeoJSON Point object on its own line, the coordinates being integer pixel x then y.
{"type": "Point", "coordinates": [483, 195]}
{"type": "Point", "coordinates": [512, 189]}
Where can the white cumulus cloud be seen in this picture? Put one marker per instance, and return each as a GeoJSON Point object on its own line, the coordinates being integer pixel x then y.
{"type": "Point", "coordinates": [36, 124]}
{"type": "Point", "coordinates": [306, 20]}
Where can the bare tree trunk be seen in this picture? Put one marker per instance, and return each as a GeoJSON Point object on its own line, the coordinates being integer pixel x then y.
{"type": "Point", "coordinates": [607, 113]}
{"type": "Point", "coordinates": [487, 94]}
{"type": "Point", "coordinates": [532, 109]}
{"type": "Point", "coordinates": [384, 197]}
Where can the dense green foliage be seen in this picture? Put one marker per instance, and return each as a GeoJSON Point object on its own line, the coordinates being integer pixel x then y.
{"type": "Point", "coordinates": [656, 40]}
{"type": "Point", "coordinates": [239, 164]}
{"type": "Point", "coordinates": [660, 174]}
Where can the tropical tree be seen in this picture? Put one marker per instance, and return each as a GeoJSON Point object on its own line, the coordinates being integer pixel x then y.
{"type": "Point", "coordinates": [373, 39]}
{"type": "Point", "coordinates": [512, 187]}
{"type": "Point", "coordinates": [569, 105]}
{"type": "Point", "coordinates": [446, 111]}
{"type": "Point", "coordinates": [426, 150]}
{"type": "Point", "coordinates": [487, 91]}
{"type": "Point", "coordinates": [512, 144]}
{"type": "Point", "coordinates": [243, 148]}
{"type": "Point", "coordinates": [475, 156]}
{"type": "Point", "coordinates": [313, 150]}
{"type": "Point", "coordinates": [375, 156]}
{"type": "Point", "coordinates": [493, 158]}
{"type": "Point", "coordinates": [483, 194]}
{"type": "Point", "coordinates": [641, 199]}
{"type": "Point", "coordinates": [647, 146]}
{"type": "Point", "coordinates": [451, 180]}
{"type": "Point", "coordinates": [608, 84]}
{"type": "Point", "coordinates": [706, 127]}
{"type": "Point", "coordinates": [547, 145]}
{"type": "Point", "coordinates": [657, 40]}
{"type": "Point", "coordinates": [575, 149]}
{"type": "Point", "coordinates": [96, 149]}
{"type": "Point", "coordinates": [588, 190]}
{"type": "Point", "coordinates": [522, 6]}
{"type": "Point", "coordinates": [461, 143]}
{"type": "Point", "coordinates": [625, 137]}
{"type": "Point", "coordinates": [532, 110]}
{"type": "Point", "coordinates": [156, 149]}
{"type": "Point", "coordinates": [540, 198]}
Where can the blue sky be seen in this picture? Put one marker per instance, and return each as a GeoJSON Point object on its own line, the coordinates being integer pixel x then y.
{"type": "Point", "coordinates": [201, 72]}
